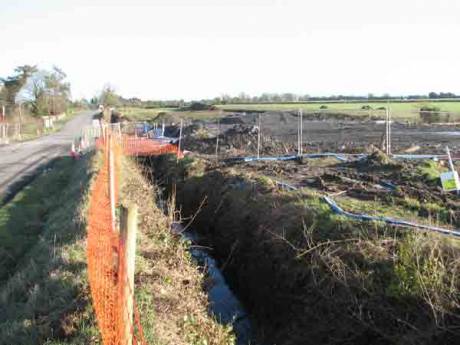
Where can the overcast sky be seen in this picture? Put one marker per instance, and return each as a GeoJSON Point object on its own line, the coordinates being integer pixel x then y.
{"type": "Point", "coordinates": [192, 49]}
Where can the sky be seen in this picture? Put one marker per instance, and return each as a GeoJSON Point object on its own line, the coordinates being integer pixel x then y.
{"type": "Point", "coordinates": [194, 49]}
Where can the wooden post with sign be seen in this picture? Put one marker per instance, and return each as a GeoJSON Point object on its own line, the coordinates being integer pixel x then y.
{"type": "Point", "coordinates": [450, 180]}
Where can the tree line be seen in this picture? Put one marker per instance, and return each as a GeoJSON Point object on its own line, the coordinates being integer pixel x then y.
{"type": "Point", "coordinates": [35, 91]}
{"type": "Point", "coordinates": [109, 97]}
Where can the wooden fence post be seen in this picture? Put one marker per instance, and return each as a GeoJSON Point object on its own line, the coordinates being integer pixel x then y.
{"type": "Point", "coordinates": [111, 179]}
{"type": "Point", "coordinates": [258, 137]}
{"type": "Point", "coordinates": [217, 140]}
{"type": "Point", "coordinates": [128, 234]}
{"type": "Point", "coordinates": [180, 139]}
{"type": "Point", "coordinates": [388, 130]}
{"type": "Point", "coordinates": [301, 132]}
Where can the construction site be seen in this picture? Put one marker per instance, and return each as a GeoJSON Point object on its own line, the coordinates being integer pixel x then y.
{"type": "Point", "coordinates": [231, 172]}
{"type": "Point", "coordinates": [357, 244]}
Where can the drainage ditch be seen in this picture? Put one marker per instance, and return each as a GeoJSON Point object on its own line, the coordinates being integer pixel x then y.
{"type": "Point", "coordinates": [304, 275]}
{"type": "Point", "coordinates": [224, 305]}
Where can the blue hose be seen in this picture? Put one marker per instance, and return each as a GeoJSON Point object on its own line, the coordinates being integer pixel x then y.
{"type": "Point", "coordinates": [338, 156]}
{"type": "Point", "coordinates": [337, 209]}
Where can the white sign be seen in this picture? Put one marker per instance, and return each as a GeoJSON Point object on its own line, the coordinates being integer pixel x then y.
{"type": "Point", "coordinates": [450, 181]}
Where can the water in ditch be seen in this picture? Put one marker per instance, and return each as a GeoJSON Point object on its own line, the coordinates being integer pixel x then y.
{"type": "Point", "coordinates": [223, 303]}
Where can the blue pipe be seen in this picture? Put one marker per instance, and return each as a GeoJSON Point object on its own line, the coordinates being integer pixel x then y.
{"type": "Point", "coordinates": [337, 209]}
{"type": "Point", "coordinates": [340, 157]}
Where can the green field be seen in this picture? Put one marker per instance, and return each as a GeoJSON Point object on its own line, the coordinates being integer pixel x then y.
{"type": "Point", "coordinates": [400, 110]}
{"type": "Point", "coordinates": [405, 110]}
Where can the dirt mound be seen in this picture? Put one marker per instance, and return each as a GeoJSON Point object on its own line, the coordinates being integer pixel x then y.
{"type": "Point", "coordinates": [231, 120]}
{"type": "Point", "coordinates": [172, 118]}
{"type": "Point", "coordinates": [237, 140]}
{"type": "Point", "coordinates": [377, 160]}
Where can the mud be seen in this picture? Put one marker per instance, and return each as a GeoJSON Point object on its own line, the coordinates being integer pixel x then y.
{"type": "Point", "coordinates": [320, 134]}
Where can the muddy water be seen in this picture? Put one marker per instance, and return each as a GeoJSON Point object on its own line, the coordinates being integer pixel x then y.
{"type": "Point", "coordinates": [223, 303]}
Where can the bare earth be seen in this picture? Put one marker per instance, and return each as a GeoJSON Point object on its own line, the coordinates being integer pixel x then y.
{"type": "Point", "coordinates": [19, 160]}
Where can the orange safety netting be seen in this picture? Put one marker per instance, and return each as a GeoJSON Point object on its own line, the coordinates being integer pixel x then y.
{"type": "Point", "coordinates": [102, 256]}
{"type": "Point", "coordinates": [139, 146]}
{"type": "Point", "coordinates": [105, 248]}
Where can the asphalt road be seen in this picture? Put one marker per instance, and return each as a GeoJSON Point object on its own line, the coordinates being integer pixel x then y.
{"type": "Point", "coordinates": [19, 160]}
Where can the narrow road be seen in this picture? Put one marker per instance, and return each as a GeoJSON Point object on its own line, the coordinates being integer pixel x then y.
{"type": "Point", "coordinates": [20, 160]}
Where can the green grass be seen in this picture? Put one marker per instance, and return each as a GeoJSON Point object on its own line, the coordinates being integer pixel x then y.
{"type": "Point", "coordinates": [399, 110]}
{"type": "Point", "coordinates": [32, 127]}
{"type": "Point", "coordinates": [44, 295]}
{"type": "Point", "coordinates": [169, 294]}
{"type": "Point", "coordinates": [431, 171]}
{"type": "Point", "coordinates": [143, 114]}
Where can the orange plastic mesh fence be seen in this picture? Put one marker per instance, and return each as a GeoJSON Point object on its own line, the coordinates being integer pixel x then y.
{"type": "Point", "coordinates": [102, 256]}
{"type": "Point", "coordinates": [138, 146]}
{"type": "Point", "coordinates": [106, 251]}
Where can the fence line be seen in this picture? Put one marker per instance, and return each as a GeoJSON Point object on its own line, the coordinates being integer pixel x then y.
{"type": "Point", "coordinates": [9, 131]}
{"type": "Point", "coordinates": [110, 265]}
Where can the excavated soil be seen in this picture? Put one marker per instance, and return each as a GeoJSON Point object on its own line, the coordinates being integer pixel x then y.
{"type": "Point", "coordinates": [238, 134]}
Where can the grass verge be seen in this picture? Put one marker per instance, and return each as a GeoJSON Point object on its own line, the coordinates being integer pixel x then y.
{"type": "Point", "coordinates": [169, 286]}
{"type": "Point", "coordinates": [44, 294]}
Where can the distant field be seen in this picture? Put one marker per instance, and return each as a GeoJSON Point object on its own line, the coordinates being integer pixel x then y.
{"type": "Point", "coordinates": [450, 110]}
{"type": "Point", "coordinates": [139, 114]}
{"type": "Point", "coordinates": [401, 110]}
